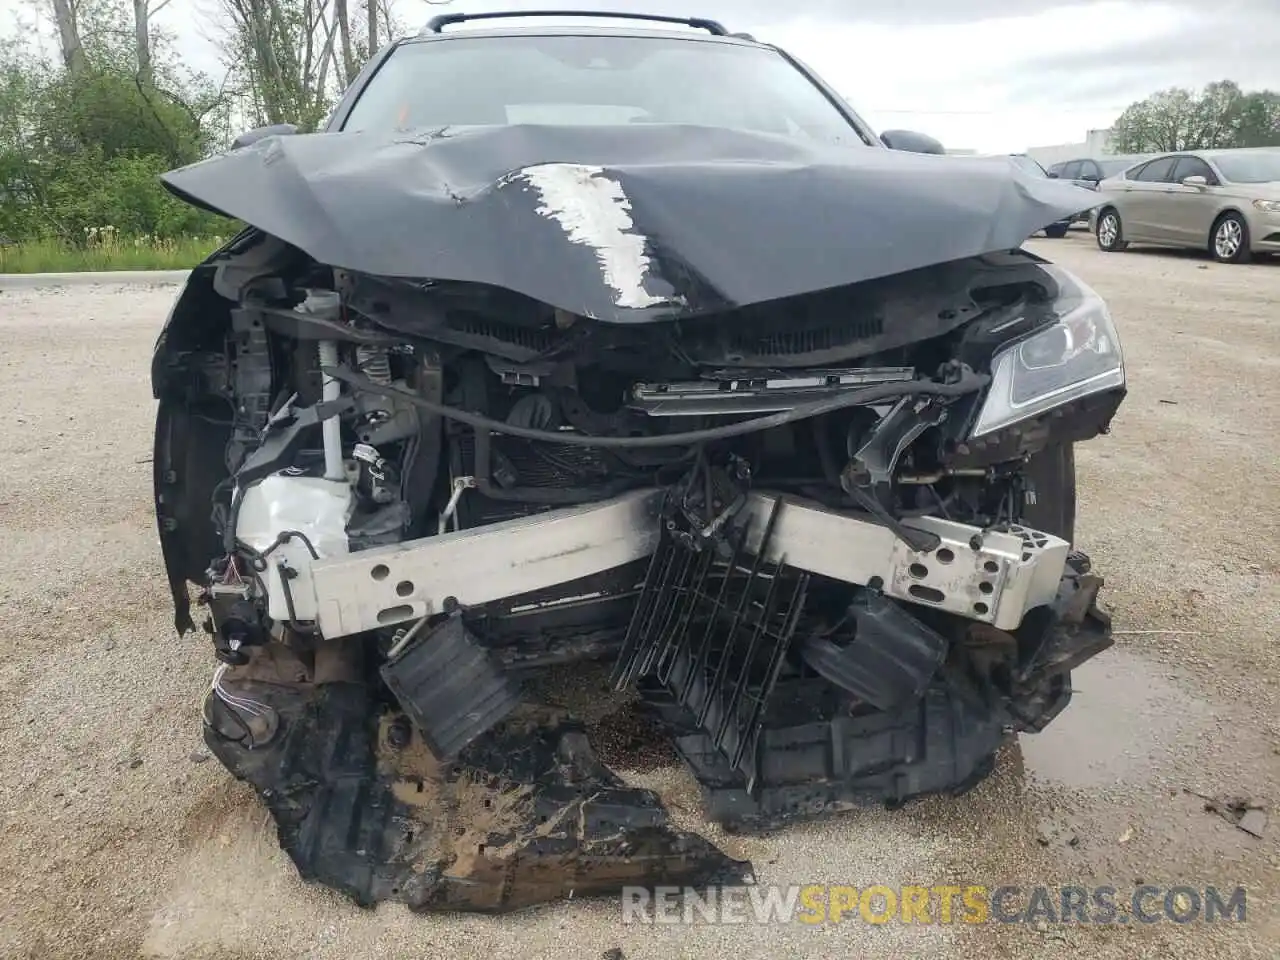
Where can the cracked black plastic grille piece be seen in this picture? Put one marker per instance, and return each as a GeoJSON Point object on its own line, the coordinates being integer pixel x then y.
{"type": "Point", "coordinates": [713, 625]}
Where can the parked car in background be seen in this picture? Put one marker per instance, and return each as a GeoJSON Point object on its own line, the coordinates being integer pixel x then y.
{"type": "Point", "coordinates": [1058, 228]}
{"type": "Point", "coordinates": [1227, 201]}
{"type": "Point", "coordinates": [1088, 172]}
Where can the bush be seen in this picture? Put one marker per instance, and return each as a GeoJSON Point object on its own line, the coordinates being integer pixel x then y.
{"type": "Point", "coordinates": [123, 192]}
{"type": "Point", "coordinates": [79, 154]}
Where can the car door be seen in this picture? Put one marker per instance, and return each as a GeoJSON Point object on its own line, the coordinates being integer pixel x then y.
{"type": "Point", "coordinates": [1140, 211]}
{"type": "Point", "coordinates": [1187, 211]}
{"type": "Point", "coordinates": [1090, 174]}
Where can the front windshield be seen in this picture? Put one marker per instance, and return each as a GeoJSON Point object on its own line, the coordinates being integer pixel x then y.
{"type": "Point", "coordinates": [1263, 167]}
{"type": "Point", "coordinates": [597, 80]}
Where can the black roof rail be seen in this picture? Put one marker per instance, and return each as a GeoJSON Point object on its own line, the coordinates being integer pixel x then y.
{"type": "Point", "coordinates": [438, 23]}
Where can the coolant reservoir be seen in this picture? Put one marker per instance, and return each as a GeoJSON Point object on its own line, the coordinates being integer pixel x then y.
{"type": "Point", "coordinates": [312, 506]}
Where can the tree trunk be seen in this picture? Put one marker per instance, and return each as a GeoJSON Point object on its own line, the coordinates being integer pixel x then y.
{"type": "Point", "coordinates": [373, 27]}
{"type": "Point", "coordinates": [142, 41]}
{"type": "Point", "coordinates": [73, 58]}
{"type": "Point", "coordinates": [344, 37]}
{"type": "Point", "coordinates": [326, 56]}
{"type": "Point", "coordinates": [274, 93]}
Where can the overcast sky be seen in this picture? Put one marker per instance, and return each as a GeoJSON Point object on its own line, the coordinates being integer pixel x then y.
{"type": "Point", "coordinates": [993, 75]}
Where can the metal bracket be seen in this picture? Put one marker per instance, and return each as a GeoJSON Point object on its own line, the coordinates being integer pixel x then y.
{"type": "Point", "coordinates": [873, 463]}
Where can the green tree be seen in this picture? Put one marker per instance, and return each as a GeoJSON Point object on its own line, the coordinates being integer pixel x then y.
{"type": "Point", "coordinates": [1259, 124]}
{"type": "Point", "coordinates": [1220, 116]}
{"type": "Point", "coordinates": [86, 130]}
{"type": "Point", "coordinates": [84, 136]}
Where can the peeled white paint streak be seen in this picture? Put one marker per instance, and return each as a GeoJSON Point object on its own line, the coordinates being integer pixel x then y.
{"type": "Point", "coordinates": [594, 211]}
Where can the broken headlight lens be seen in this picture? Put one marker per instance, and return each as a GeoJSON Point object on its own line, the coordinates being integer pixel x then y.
{"type": "Point", "coordinates": [1077, 355]}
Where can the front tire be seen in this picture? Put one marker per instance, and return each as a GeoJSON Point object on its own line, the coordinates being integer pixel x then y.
{"type": "Point", "coordinates": [1110, 232]}
{"type": "Point", "coordinates": [1229, 241]}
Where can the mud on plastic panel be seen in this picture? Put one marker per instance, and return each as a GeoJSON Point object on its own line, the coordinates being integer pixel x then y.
{"type": "Point", "coordinates": [523, 816]}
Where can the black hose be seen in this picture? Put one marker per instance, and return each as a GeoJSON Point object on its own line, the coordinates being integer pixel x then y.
{"type": "Point", "coordinates": [968, 383]}
{"type": "Point", "coordinates": [283, 570]}
{"type": "Point", "coordinates": [260, 557]}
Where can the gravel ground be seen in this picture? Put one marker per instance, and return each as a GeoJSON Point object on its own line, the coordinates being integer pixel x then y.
{"type": "Point", "coordinates": [118, 842]}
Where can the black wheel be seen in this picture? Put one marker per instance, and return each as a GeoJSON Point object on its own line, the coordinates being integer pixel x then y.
{"type": "Point", "coordinates": [1110, 233]}
{"type": "Point", "coordinates": [1229, 241]}
{"type": "Point", "coordinates": [1055, 231]}
{"type": "Point", "coordinates": [1052, 475]}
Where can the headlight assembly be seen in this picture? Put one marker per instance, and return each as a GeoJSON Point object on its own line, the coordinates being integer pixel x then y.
{"type": "Point", "coordinates": [1077, 355]}
{"type": "Point", "coordinates": [1268, 206]}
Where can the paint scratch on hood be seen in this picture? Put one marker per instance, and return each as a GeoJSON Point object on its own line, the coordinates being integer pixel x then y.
{"type": "Point", "coordinates": [594, 211]}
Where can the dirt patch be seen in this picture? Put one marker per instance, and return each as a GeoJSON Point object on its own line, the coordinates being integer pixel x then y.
{"type": "Point", "coordinates": [629, 740]}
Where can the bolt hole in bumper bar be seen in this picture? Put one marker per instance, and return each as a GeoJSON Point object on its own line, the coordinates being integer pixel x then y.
{"type": "Point", "coordinates": [992, 577]}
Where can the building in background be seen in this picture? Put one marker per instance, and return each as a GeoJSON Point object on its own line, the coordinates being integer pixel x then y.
{"type": "Point", "coordinates": [1097, 143]}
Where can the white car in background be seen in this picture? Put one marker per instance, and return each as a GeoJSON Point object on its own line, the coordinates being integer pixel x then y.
{"type": "Point", "coordinates": [1226, 201]}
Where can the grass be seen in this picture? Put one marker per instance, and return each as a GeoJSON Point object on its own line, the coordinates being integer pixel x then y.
{"type": "Point", "coordinates": [106, 253]}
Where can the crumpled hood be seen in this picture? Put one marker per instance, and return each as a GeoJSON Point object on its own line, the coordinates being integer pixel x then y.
{"type": "Point", "coordinates": [625, 223]}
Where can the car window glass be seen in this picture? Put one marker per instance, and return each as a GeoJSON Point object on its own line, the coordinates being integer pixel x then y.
{"type": "Point", "coordinates": [1090, 169]}
{"type": "Point", "coordinates": [596, 80]}
{"type": "Point", "coordinates": [1192, 167]}
{"type": "Point", "coordinates": [1262, 166]}
{"type": "Point", "coordinates": [1111, 167]}
{"type": "Point", "coordinates": [1157, 171]}
{"type": "Point", "coordinates": [1070, 170]}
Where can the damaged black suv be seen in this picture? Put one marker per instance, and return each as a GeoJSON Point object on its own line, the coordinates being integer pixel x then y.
{"type": "Point", "coordinates": [635, 346]}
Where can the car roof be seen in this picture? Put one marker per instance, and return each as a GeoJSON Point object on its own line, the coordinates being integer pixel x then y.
{"type": "Point", "coordinates": [1211, 152]}
{"type": "Point", "coordinates": [546, 30]}
{"type": "Point", "coordinates": [1232, 151]}
{"type": "Point", "coordinates": [1109, 157]}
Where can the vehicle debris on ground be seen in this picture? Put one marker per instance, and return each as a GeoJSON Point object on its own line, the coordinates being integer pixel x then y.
{"type": "Point", "coordinates": [1242, 812]}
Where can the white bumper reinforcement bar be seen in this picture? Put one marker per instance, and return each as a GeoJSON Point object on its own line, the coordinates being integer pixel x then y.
{"type": "Point", "coordinates": [993, 577]}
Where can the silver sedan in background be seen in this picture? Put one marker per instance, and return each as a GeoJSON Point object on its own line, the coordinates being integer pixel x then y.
{"type": "Point", "coordinates": [1225, 201]}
